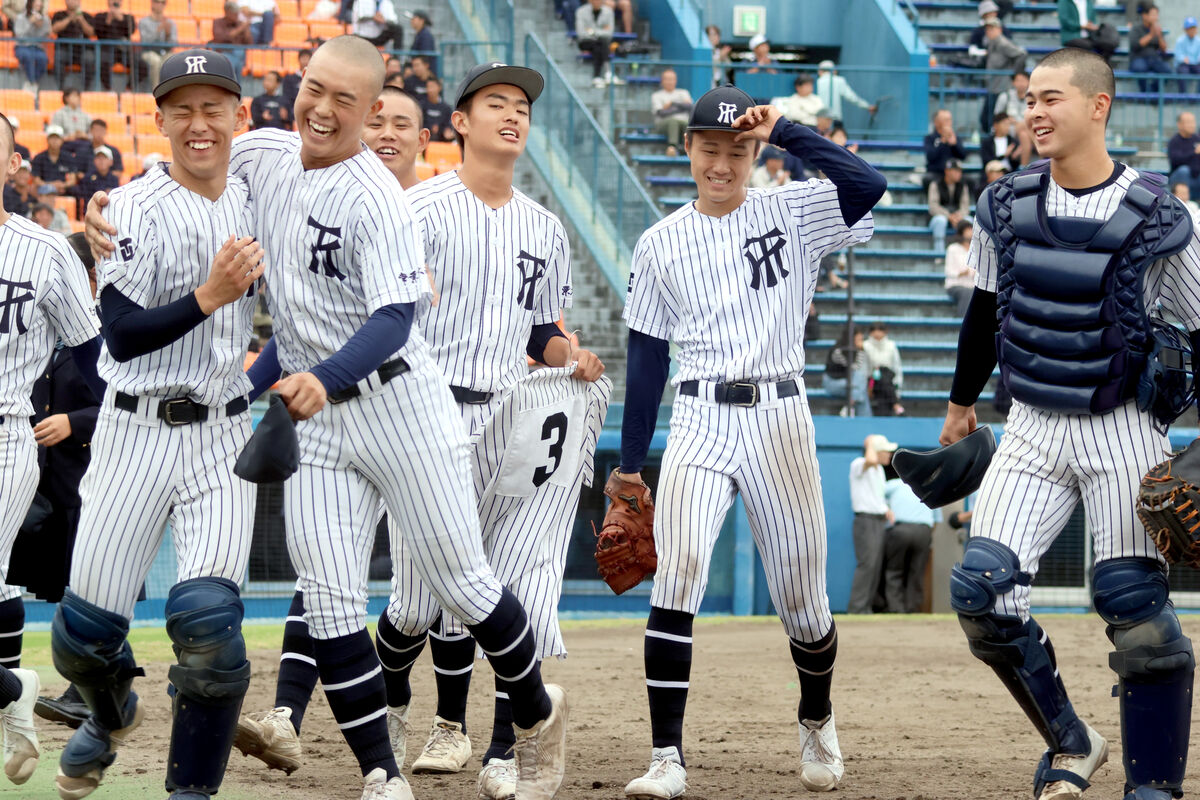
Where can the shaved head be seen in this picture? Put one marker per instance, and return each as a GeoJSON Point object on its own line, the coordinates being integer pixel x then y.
{"type": "Point", "coordinates": [1090, 73]}
{"type": "Point", "coordinates": [360, 53]}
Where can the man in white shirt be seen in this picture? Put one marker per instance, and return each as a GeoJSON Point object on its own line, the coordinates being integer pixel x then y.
{"type": "Point", "coordinates": [833, 88]}
{"type": "Point", "coordinates": [871, 518]}
{"type": "Point", "coordinates": [671, 105]}
{"type": "Point", "coordinates": [377, 22]}
{"type": "Point", "coordinates": [803, 105]}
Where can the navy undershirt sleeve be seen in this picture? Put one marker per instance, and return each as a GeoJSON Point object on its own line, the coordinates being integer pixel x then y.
{"type": "Point", "coordinates": [539, 337]}
{"type": "Point", "coordinates": [976, 349]}
{"type": "Point", "coordinates": [859, 184]}
{"type": "Point", "coordinates": [265, 370]}
{"type": "Point", "coordinates": [85, 356]}
{"type": "Point", "coordinates": [131, 331]}
{"type": "Point", "coordinates": [648, 363]}
{"type": "Point", "coordinates": [385, 332]}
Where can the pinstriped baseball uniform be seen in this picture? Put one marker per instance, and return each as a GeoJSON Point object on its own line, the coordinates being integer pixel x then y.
{"type": "Point", "coordinates": [44, 295]}
{"type": "Point", "coordinates": [531, 459]}
{"type": "Point", "coordinates": [144, 472]}
{"type": "Point", "coordinates": [341, 244]}
{"type": "Point", "coordinates": [1046, 461]}
{"type": "Point", "coordinates": [720, 287]}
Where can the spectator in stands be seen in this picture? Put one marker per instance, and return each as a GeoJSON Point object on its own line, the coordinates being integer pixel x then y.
{"type": "Point", "coordinates": [416, 82]}
{"type": "Point", "coordinates": [262, 15]}
{"type": "Point", "coordinates": [1183, 153]}
{"type": "Point", "coordinates": [826, 124]}
{"type": "Point", "coordinates": [1012, 102]}
{"type": "Point", "coordinates": [960, 276]}
{"type": "Point", "coordinates": [73, 23]}
{"type": "Point", "coordinates": [838, 370]}
{"type": "Point", "coordinates": [977, 42]}
{"type": "Point", "coordinates": [883, 354]}
{"type": "Point", "coordinates": [51, 218]}
{"type": "Point", "coordinates": [232, 29]}
{"type": "Point", "coordinates": [594, 27]}
{"type": "Point", "coordinates": [1001, 145]}
{"type": "Point", "coordinates": [158, 34]}
{"type": "Point", "coordinates": [52, 169]}
{"type": "Point", "coordinates": [906, 548]}
{"type": "Point", "coordinates": [993, 171]}
{"type": "Point", "coordinates": [436, 112]}
{"type": "Point", "coordinates": [423, 38]}
{"type": "Point", "coordinates": [100, 178]}
{"type": "Point", "coordinates": [1148, 48]}
{"type": "Point", "coordinates": [1002, 56]}
{"type": "Point", "coordinates": [31, 54]}
{"type": "Point", "coordinates": [1184, 194]}
{"type": "Point", "coordinates": [721, 57]}
{"type": "Point", "coordinates": [760, 46]}
{"type": "Point", "coordinates": [771, 171]}
{"type": "Point", "coordinates": [98, 133]}
{"type": "Point", "coordinates": [622, 12]}
{"type": "Point", "coordinates": [1187, 53]}
{"type": "Point", "coordinates": [671, 105]}
{"type": "Point", "coordinates": [1078, 28]}
{"type": "Point", "coordinates": [393, 66]}
{"type": "Point", "coordinates": [20, 195]}
{"type": "Point", "coordinates": [70, 118]}
{"type": "Point", "coordinates": [802, 105]}
{"type": "Point", "coordinates": [291, 83]}
{"type": "Point", "coordinates": [114, 25]}
{"type": "Point", "coordinates": [377, 22]}
{"type": "Point", "coordinates": [20, 149]}
{"type": "Point", "coordinates": [941, 145]}
{"type": "Point", "coordinates": [269, 110]}
{"type": "Point", "coordinates": [839, 136]}
{"type": "Point", "coordinates": [949, 201]}
{"type": "Point", "coordinates": [833, 89]}
{"type": "Point", "coordinates": [148, 163]}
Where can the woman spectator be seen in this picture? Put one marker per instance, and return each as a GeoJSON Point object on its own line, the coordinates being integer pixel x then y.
{"type": "Point", "coordinates": [721, 57]}
{"type": "Point", "coordinates": [887, 373]}
{"type": "Point", "coordinates": [847, 364]}
{"type": "Point", "coordinates": [31, 54]}
{"type": "Point", "coordinates": [960, 278]}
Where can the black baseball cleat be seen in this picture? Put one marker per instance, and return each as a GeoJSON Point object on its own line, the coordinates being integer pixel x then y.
{"type": "Point", "coordinates": [67, 709]}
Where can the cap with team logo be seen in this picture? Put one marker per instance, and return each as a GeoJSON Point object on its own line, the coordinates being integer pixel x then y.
{"type": "Point", "coordinates": [1189, 22]}
{"type": "Point", "coordinates": [718, 108]}
{"type": "Point", "coordinates": [481, 75]}
{"type": "Point", "coordinates": [196, 67]}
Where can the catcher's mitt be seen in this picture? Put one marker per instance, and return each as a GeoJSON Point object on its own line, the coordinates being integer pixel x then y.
{"type": "Point", "coordinates": [1168, 505]}
{"type": "Point", "coordinates": [625, 544]}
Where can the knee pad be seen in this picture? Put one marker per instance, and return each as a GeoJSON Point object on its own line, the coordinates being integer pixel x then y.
{"type": "Point", "coordinates": [988, 570]}
{"type": "Point", "coordinates": [204, 621]}
{"type": "Point", "coordinates": [1126, 591]}
{"type": "Point", "coordinates": [89, 648]}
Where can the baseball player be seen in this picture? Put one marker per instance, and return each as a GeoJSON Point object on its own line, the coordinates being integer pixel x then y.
{"type": "Point", "coordinates": [45, 298]}
{"type": "Point", "coordinates": [730, 278]}
{"type": "Point", "coordinates": [345, 285]}
{"type": "Point", "coordinates": [1071, 254]}
{"type": "Point", "coordinates": [176, 296]}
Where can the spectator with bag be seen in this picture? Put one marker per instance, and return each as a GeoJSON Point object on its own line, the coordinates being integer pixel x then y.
{"type": "Point", "coordinates": [846, 368]}
{"type": "Point", "coordinates": [1078, 28]}
{"type": "Point", "coordinates": [886, 371]}
{"type": "Point", "coordinates": [30, 53]}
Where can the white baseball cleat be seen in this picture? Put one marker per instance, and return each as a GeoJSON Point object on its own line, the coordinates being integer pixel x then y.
{"type": "Point", "coordinates": [398, 732]}
{"type": "Point", "coordinates": [376, 786]}
{"type": "Point", "coordinates": [541, 751]}
{"type": "Point", "coordinates": [498, 780]}
{"type": "Point", "coordinates": [1083, 766]}
{"type": "Point", "coordinates": [270, 737]}
{"type": "Point", "coordinates": [21, 751]}
{"type": "Point", "coordinates": [665, 779]}
{"type": "Point", "coordinates": [447, 750]}
{"type": "Point", "coordinates": [821, 766]}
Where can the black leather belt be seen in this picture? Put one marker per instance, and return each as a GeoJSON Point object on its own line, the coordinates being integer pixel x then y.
{"type": "Point", "coordinates": [469, 396]}
{"type": "Point", "coordinates": [180, 410]}
{"type": "Point", "coordinates": [739, 394]}
{"type": "Point", "coordinates": [386, 372]}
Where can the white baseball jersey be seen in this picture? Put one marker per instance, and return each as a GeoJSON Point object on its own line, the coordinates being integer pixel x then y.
{"type": "Point", "coordinates": [733, 292]}
{"type": "Point", "coordinates": [499, 271]}
{"type": "Point", "coordinates": [166, 238]}
{"type": "Point", "coordinates": [340, 241]}
{"type": "Point", "coordinates": [1047, 462]}
{"type": "Point", "coordinates": [44, 296]}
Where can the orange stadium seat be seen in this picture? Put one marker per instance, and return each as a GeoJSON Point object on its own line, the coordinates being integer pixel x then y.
{"type": "Point", "coordinates": [69, 206]}
{"type": "Point", "coordinates": [210, 9]}
{"type": "Point", "coordinates": [186, 28]}
{"type": "Point", "coordinates": [49, 102]}
{"type": "Point", "coordinates": [29, 121]}
{"type": "Point", "coordinates": [146, 145]}
{"type": "Point", "coordinates": [291, 34]}
{"type": "Point", "coordinates": [138, 103]}
{"type": "Point", "coordinates": [425, 171]}
{"type": "Point", "coordinates": [16, 100]}
{"type": "Point", "coordinates": [443, 155]}
{"type": "Point", "coordinates": [94, 6]}
{"type": "Point", "coordinates": [291, 61]}
{"type": "Point", "coordinates": [8, 54]}
{"type": "Point", "coordinates": [325, 29]}
{"type": "Point", "coordinates": [260, 62]}
{"type": "Point", "coordinates": [99, 103]}
{"type": "Point", "coordinates": [124, 143]}
{"type": "Point", "coordinates": [203, 31]}
{"type": "Point", "coordinates": [306, 7]}
{"type": "Point", "coordinates": [143, 125]}
{"type": "Point", "coordinates": [35, 140]}
{"type": "Point", "coordinates": [117, 123]}
{"type": "Point", "coordinates": [139, 8]}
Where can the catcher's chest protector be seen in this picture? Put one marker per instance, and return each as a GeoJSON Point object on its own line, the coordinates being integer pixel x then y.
{"type": "Point", "coordinates": [1074, 335]}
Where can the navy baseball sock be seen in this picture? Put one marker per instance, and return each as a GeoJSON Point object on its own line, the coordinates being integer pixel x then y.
{"type": "Point", "coordinates": [503, 735]}
{"type": "Point", "coordinates": [397, 653]}
{"type": "Point", "coordinates": [12, 628]}
{"type": "Point", "coordinates": [508, 641]}
{"type": "Point", "coordinates": [453, 662]}
{"type": "Point", "coordinates": [297, 664]}
{"type": "Point", "coordinates": [10, 686]}
{"type": "Point", "coordinates": [353, 683]}
{"type": "Point", "coordinates": [814, 665]}
{"type": "Point", "coordinates": [668, 668]}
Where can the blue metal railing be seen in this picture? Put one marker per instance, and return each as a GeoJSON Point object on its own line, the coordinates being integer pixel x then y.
{"type": "Point", "coordinates": [914, 16]}
{"type": "Point", "coordinates": [494, 21]}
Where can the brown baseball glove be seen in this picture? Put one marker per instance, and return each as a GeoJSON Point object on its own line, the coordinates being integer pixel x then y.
{"type": "Point", "coordinates": [625, 544]}
{"type": "Point", "coordinates": [1168, 504]}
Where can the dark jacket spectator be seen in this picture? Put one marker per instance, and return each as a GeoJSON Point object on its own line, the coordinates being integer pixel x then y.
{"type": "Point", "coordinates": [52, 168]}
{"type": "Point", "coordinates": [1183, 153]}
{"type": "Point", "coordinates": [233, 29]}
{"type": "Point", "coordinates": [20, 196]}
{"type": "Point", "coordinates": [100, 178]}
{"type": "Point", "coordinates": [423, 37]}
{"type": "Point", "coordinates": [1148, 47]}
{"type": "Point", "coordinates": [269, 109]}
{"type": "Point", "coordinates": [437, 113]}
{"type": "Point", "coordinates": [114, 25]}
{"type": "Point", "coordinates": [73, 23]}
{"type": "Point", "coordinates": [291, 83]}
{"type": "Point", "coordinates": [942, 145]}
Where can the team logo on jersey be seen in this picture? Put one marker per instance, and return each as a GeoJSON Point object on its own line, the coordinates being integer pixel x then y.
{"type": "Point", "coordinates": [126, 248]}
{"type": "Point", "coordinates": [725, 112]}
{"type": "Point", "coordinates": [197, 64]}
{"type": "Point", "coordinates": [765, 254]}
{"type": "Point", "coordinates": [323, 249]}
{"type": "Point", "coordinates": [532, 268]}
{"type": "Point", "coordinates": [12, 306]}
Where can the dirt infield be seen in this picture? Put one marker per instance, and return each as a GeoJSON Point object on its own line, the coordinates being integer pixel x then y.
{"type": "Point", "coordinates": [918, 718]}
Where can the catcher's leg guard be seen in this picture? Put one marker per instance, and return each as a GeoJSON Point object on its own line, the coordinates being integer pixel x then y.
{"type": "Point", "coordinates": [89, 648]}
{"type": "Point", "coordinates": [204, 621]}
{"type": "Point", "coordinates": [1155, 667]}
{"type": "Point", "coordinates": [1018, 652]}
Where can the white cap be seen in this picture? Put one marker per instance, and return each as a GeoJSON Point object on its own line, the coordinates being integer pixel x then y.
{"type": "Point", "coordinates": [150, 160]}
{"type": "Point", "coordinates": [988, 7]}
{"type": "Point", "coordinates": [103, 150]}
{"type": "Point", "coordinates": [25, 165]}
{"type": "Point", "coordinates": [757, 40]}
{"type": "Point", "coordinates": [54, 130]}
{"type": "Point", "coordinates": [826, 64]}
{"type": "Point", "coordinates": [880, 444]}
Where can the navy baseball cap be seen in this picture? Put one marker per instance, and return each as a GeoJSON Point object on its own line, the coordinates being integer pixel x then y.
{"type": "Point", "coordinates": [718, 108]}
{"type": "Point", "coordinates": [481, 75]}
{"type": "Point", "coordinates": [196, 67]}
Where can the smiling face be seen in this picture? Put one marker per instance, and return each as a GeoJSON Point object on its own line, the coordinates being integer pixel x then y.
{"type": "Point", "coordinates": [199, 121]}
{"type": "Point", "coordinates": [336, 96]}
{"type": "Point", "coordinates": [720, 167]}
{"type": "Point", "coordinates": [494, 122]}
{"type": "Point", "coordinates": [1059, 114]}
{"type": "Point", "coordinates": [395, 133]}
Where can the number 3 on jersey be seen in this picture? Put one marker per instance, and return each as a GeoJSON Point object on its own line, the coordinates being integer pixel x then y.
{"type": "Point", "coordinates": [543, 447]}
